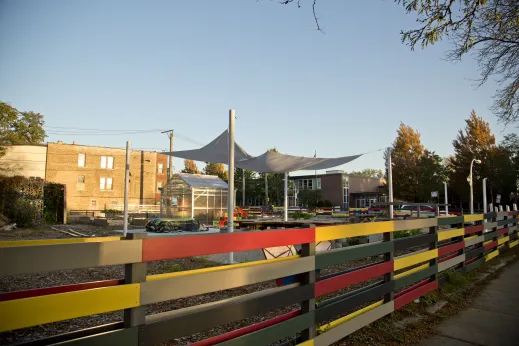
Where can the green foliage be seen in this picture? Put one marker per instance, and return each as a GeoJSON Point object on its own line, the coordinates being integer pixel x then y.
{"type": "Point", "coordinates": [406, 233]}
{"type": "Point", "coordinates": [416, 171]}
{"type": "Point", "coordinates": [488, 30]}
{"type": "Point", "coordinates": [190, 167]}
{"type": "Point", "coordinates": [216, 169]}
{"type": "Point", "coordinates": [111, 211]}
{"type": "Point", "coordinates": [369, 173]}
{"type": "Point", "coordinates": [300, 215]}
{"type": "Point", "coordinates": [309, 198]}
{"type": "Point", "coordinates": [19, 127]}
{"type": "Point", "coordinates": [25, 213]}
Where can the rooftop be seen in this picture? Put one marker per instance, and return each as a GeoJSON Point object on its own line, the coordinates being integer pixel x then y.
{"type": "Point", "coordinates": [199, 180]}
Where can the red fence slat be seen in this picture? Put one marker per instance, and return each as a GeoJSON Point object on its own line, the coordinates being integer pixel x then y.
{"type": "Point", "coordinates": [503, 231]}
{"type": "Point", "coordinates": [337, 282]}
{"type": "Point", "coordinates": [58, 289]}
{"type": "Point", "coordinates": [246, 330]}
{"type": "Point", "coordinates": [417, 293]}
{"type": "Point", "coordinates": [474, 229]}
{"type": "Point", "coordinates": [490, 245]}
{"type": "Point", "coordinates": [451, 248]}
{"type": "Point", "coordinates": [154, 249]}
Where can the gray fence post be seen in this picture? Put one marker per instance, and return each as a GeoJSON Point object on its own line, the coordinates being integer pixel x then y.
{"type": "Point", "coordinates": [308, 278]}
{"type": "Point", "coordinates": [389, 256]}
{"type": "Point", "coordinates": [135, 273]}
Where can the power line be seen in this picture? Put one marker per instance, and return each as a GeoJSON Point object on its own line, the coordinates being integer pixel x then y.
{"type": "Point", "coordinates": [76, 131]}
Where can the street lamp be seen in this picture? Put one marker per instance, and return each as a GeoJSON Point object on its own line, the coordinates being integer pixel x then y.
{"type": "Point", "coordinates": [469, 179]}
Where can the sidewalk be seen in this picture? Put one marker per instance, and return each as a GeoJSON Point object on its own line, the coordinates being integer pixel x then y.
{"type": "Point", "coordinates": [493, 320]}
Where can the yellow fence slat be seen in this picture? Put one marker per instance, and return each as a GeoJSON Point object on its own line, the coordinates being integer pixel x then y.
{"type": "Point", "coordinates": [351, 316]}
{"type": "Point", "coordinates": [443, 235]}
{"type": "Point", "coordinates": [352, 230]}
{"type": "Point", "coordinates": [307, 343]}
{"type": "Point", "coordinates": [472, 218]}
{"type": "Point", "coordinates": [28, 312]}
{"type": "Point", "coordinates": [503, 240]}
{"type": "Point", "coordinates": [219, 268]}
{"type": "Point", "coordinates": [491, 255]}
{"type": "Point", "coordinates": [408, 261]}
{"type": "Point", "coordinates": [514, 243]}
{"type": "Point", "coordinates": [411, 271]}
{"type": "Point", "coordinates": [56, 241]}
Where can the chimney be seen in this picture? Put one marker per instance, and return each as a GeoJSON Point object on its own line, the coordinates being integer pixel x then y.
{"type": "Point", "coordinates": [60, 142]}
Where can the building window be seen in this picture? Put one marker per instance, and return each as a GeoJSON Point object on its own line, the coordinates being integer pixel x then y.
{"type": "Point", "coordinates": [160, 168]}
{"type": "Point", "coordinates": [107, 162]}
{"type": "Point", "coordinates": [93, 204]}
{"type": "Point", "coordinates": [307, 184]}
{"type": "Point", "coordinates": [105, 184]}
{"type": "Point", "coordinates": [81, 160]}
{"type": "Point", "coordinates": [159, 186]}
{"type": "Point", "coordinates": [80, 182]}
{"type": "Point", "coordinates": [318, 183]}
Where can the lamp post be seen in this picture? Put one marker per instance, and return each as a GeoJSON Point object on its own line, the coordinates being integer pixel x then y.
{"type": "Point", "coordinates": [485, 195]}
{"type": "Point", "coordinates": [469, 179]}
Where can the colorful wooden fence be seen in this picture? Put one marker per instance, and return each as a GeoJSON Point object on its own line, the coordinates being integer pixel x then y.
{"type": "Point", "coordinates": [458, 243]}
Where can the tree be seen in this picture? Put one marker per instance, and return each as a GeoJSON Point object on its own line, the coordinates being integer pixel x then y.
{"type": "Point", "coordinates": [485, 29]}
{"type": "Point", "coordinates": [190, 167]}
{"type": "Point", "coordinates": [474, 142]}
{"type": "Point", "coordinates": [432, 174]}
{"type": "Point", "coordinates": [216, 169]}
{"type": "Point", "coordinates": [19, 127]}
{"type": "Point", "coordinates": [369, 173]}
{"type": "Point", "coordinates": [406, 154]}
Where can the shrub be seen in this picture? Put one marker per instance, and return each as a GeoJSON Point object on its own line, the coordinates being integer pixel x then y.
{"type": "Point", "coordinates": [300, 215]}
{"type": "Point", "coordinates": [25, 213]}
{"type": "Point", "coordinates": [407, 233]}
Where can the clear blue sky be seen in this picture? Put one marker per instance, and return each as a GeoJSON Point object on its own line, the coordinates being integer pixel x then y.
{"type": "Point", "coordinates": [127, 65]}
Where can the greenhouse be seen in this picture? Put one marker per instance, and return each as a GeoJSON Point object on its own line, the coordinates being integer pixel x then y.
{"type": "Point", "coordinates": [203, 197]}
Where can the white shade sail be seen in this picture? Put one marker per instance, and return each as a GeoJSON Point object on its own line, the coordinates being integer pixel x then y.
{"type": "Point", "coordinates": [274, 162]}
{"type": "Point", "coordinates": [217, 151]}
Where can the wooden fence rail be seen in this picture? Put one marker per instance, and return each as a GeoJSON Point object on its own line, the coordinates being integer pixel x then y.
{"type": "Point", "coordinates": [459, 243]}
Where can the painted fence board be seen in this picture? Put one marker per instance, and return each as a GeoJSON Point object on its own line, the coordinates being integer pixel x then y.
{"type": "Point", "coordinates": [415, 277]}
{"type": "Point", "coordinates": [338, 282]}
{"type": "Point", "coordinates": [189, 285]}
{"type": "Point", "coordinates": [451, 263]}
{"type": "Point", "coordinates": [183, 323]}
{"type": "Point", "coordinates": [42, 258]}
{"type": "Point", "coordinates": [349, 304]}
{"type": "Point", "coordinates": [407, 261]}
{"type": "Point", "coordinates": [183, 246]}
{"type": "Point", "coordinates": [28, 312]}
{"type": "Point", "coordinates": [403, 225]}
{"type": "Point", "coordinates": [351, 253]}
{"type": "Point", "coordinates": [345, 329]}
{"type": "Point", "coordinates": [352, 230]}
{"type": "Point", "coordinates": [274, 333]}
{"type": "Point", "coordinates": [407, 242]}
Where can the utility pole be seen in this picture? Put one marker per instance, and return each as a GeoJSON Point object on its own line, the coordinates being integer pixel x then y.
{"type": "Point", "coordinates": [230, 193]}
{"type": "Point", "coordinates": [243, 188]}
{"type": "Point", "coordinates": [266, 190]}
{"type": "Point", "coordinates": [170, 166]}
{"type": "Point", "coordinates": [126, 187]}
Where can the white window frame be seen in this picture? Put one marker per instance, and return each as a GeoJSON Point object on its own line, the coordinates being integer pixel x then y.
{"type": "Point", "coordinates": [107, 162]}
{"type": "Point", "coordinates": [159, 185]}
{"type": "Point", "coordinates": [160, 168]}
{"type": "Point", "coordinates": [105, 184]}
{"type": "Point", "coordinates": [81, 159]}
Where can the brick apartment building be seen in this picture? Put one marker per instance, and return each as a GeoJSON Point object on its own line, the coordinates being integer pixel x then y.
{"type": "Point", "coordinates": [94, 176]}
{"type": "Point", "coordinates": [344, 190]}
